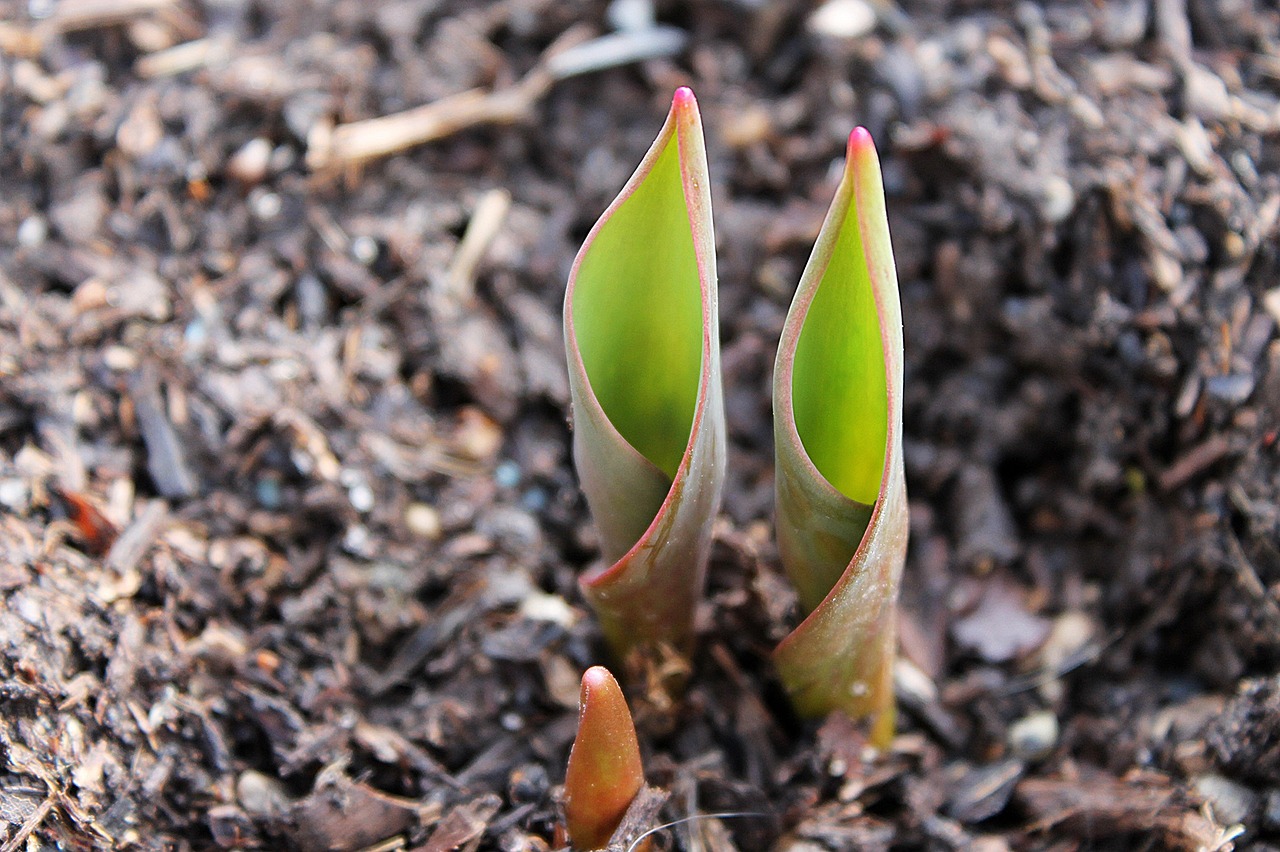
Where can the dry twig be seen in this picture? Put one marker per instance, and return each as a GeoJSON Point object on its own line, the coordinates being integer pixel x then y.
{"type": "Point", "coordinates": [330, 148]}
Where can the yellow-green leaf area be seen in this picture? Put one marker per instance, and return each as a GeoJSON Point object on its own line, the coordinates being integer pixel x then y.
{"type": "Point", "coordinates": [637, 314]}
{"type": "Point", "coordinates": [839, 391]}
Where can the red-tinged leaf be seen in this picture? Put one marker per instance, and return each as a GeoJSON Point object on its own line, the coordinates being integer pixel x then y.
{"type": "Point", "coordinates": [642, 338]}
{"type": "Point", "coordinates": [842, 505]}
{"type": "Point", "coordinates": [604, 773]}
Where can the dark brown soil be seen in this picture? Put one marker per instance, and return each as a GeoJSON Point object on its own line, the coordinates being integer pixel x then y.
{"type": "Point", "coordinates": [289, 531]}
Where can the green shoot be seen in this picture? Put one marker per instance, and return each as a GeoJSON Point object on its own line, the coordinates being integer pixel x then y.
{"type": "Point", "coordinates": [842, 507]}
{"type": "Point", "coordinates": [642, 339]}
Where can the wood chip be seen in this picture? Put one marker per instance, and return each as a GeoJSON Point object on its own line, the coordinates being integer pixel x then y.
{"type": "Point", "coordinates": [463, 824]}
{"type": "Point", "coordinates": [1194, 462]}
{"type": "Point", "coordinates": [166, 460]}
{"type": "Point", "coordinates": [486, 223]}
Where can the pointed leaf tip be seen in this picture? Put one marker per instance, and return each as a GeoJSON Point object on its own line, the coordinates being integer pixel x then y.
{"type": "Point", "coordinates": [684, 108]}
{"type": "Point", "coordinates": [604, 772]}
{"type": "Point", "coordinates": [595, 675]}
{"type": "Point", "coordinates": [860, 142]}
{"type": "Point", "coordinates": [594, 678]}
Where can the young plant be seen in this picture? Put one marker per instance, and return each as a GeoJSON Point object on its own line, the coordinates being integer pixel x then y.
{"type": "Point", "coordinates": [642, 338]}
{"type": "Point", "coordinates": [841, 493]}
{"type": "Point", "coordinates": [604, 773]}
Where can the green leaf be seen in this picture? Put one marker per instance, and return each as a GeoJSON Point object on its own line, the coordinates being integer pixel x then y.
{"type": "Point", "coordinates": [842, 506]}
{"type": "Point", "coordinates": [604, 772]}
{"type": "Point", "coordinates": [642, 339]}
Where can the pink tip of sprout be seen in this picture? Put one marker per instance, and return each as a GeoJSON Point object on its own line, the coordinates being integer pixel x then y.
{"type": "Point", "coordinates": [684, 98]}
{"type": "Point", "coordinates": [860, 141]}
{"type": "Point", "coordinates": [594, 677]}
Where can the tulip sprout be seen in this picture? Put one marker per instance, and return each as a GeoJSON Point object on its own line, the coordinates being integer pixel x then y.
{"type": "Point", "coordinates": [649, 437]}
{"type": "Point", "coordinates": [642, 338]}
{"type": "Point", "coordinates": [604, 774]}
{"type": "Point", "coordinates": [841, 492]}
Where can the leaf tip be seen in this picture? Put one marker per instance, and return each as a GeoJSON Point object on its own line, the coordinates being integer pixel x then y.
{"type": "Point", "coordinates": [595, 678]}
{"type": "Point", "coordinates": [684, 106]}
{"type": "Point", "coordinates": [684, 99]}
{"type": "Point", "coordinates": [860, 144]}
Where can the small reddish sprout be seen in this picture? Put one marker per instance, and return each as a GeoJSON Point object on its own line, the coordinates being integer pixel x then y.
{"type": "Point", "coordinates": [604, 773]}
{"type": "Point", "coordinates": [96, 532]}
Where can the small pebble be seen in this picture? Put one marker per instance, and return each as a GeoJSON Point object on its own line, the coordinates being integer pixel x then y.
{"type": "Point", "coordinates": [1196, 146]}
{"type": "Point", "coordinates": [357, 541]}
{"type": "Point", "coordinates": [267, 492]}
{"type": "Point", "coordinates": [1271, 302]}
{"type": "Point", "coordinates": [540, 606]}
{"type": "Point", "coordinates": [33, 231]}
{"type": "Point", "coordinates": [1123, 22]}
{"type": "Point", "coordinates": [843, 19]}
{"type": "Point", "coordinates": [261, 795]}
{"type": "Point", "coordinates": [1057, 199]}
{"type": "Point", "coordinates": [359, 494]}
{"type": "Point", "coordinates": [283, 158]}
{"type": "Point", "coordinates": [478, 437]}
{"type": "Point", "coordinates": [1205, 94]}
{"type": "Point", "coordinates": [29, 610]}
{"type": "Point", "coordinates": [507, 474]}
{"type": "Point", "coordinates": [1034, 736]}
{"type": "Point", "coordinates": [1231, 801]}
{"type": "Point", "coordinates": [13, 495]}
{"type": "Point", "coordinates": [361, 497]}
{"type": "Point", "coordinates": [534, 500]}
{"type": "Point", "coordinates": [1071, 632]}
{"type": "Point", "coordinates": [1233, 245]}
{"type": "Point", "coordinates": [250, 164]}
{"type": "Point", "coordinates": [630, 15]}
{"type": "Point", "coordinates": [120, 359]}
{"type": "Point", "coordinates": [912, 684]}
{"type": "Point", "coordinates": [747, 126]}
{"type": "Point", "coordinates": [265, 205]}
{"type": "Point", "coordinates": [196, 333]}
{"type": "Point", "coordinates": [364, 249]}
{"type": "Point", "coordinates": [1232, 389]}
{"type": "Point", "coordinates": [423, 521]}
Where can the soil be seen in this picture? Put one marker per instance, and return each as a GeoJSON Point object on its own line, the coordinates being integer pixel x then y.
{"type": "Point", "coordinates": [289, 531]}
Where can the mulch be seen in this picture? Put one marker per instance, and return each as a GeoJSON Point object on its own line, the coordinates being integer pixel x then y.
{"type": "Point", "coordinates": [289, 532]}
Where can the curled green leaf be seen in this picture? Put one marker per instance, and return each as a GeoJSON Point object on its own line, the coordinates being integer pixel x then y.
{"type": "Point", "coordinates": [841, 492]}
{"type": "Point", "coordinates": [642, 338]}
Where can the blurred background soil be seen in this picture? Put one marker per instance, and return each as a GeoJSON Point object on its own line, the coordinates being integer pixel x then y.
{"type": "Point", "coordinates": [288, 528]}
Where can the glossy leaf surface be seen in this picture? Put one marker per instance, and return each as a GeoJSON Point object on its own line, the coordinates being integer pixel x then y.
{"type": "Point", "coordinates": [842, 507]}
{"type": "Point", "coordinates": [604, 772]}
{"type": "Point", "coordinates": [642, 338]}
